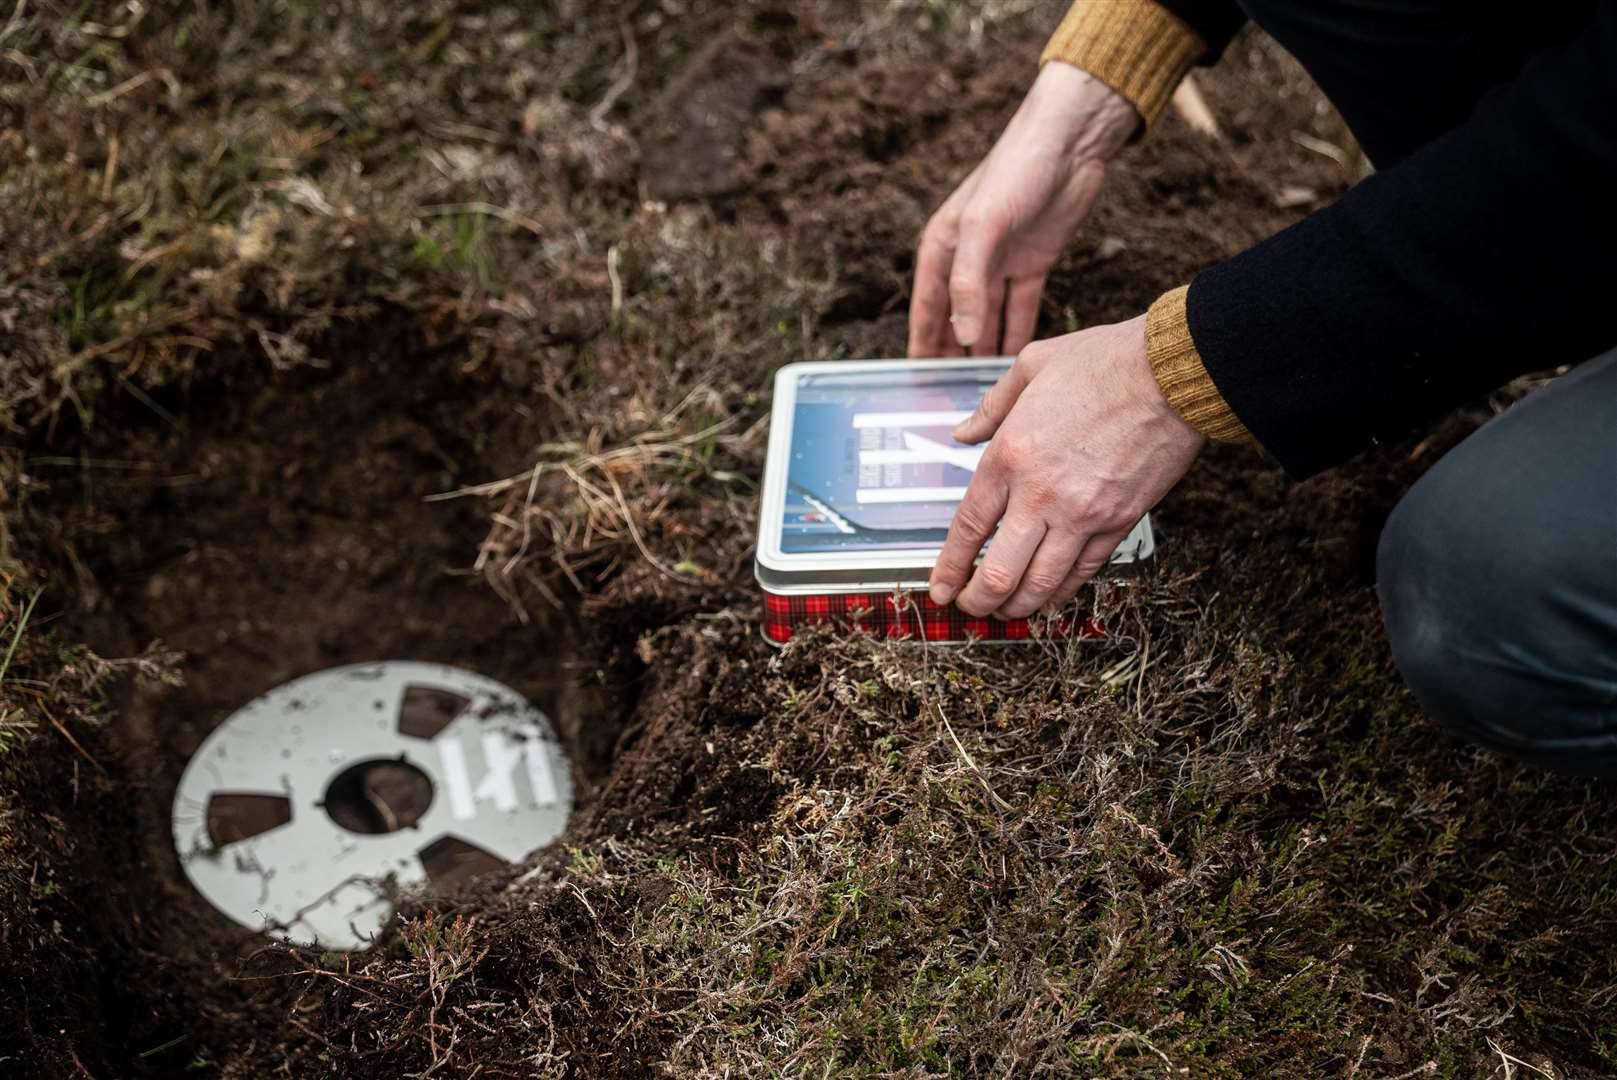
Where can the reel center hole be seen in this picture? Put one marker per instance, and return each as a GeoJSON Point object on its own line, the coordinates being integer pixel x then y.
{"type": "Point", "coordinates": [378, 796]}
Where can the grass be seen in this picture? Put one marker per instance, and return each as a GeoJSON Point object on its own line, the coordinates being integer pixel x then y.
{"type": "Point", "coordinates": [1223, 843]}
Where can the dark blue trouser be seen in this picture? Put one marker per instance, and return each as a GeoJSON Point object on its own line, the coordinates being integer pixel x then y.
{"type": "Point", "coordinates": [1498, 571]}
{"type": "Point", "coordinates": [1498, 578]}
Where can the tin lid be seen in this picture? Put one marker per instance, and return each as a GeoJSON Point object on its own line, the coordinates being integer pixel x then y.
{"type": "Point", "coordinates": [862, 476]}
{"type": "Point", "coordinates": [828, 574]}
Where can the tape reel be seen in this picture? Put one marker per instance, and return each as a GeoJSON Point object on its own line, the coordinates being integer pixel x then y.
{"type": "Point", "coordinates": [310, 807]}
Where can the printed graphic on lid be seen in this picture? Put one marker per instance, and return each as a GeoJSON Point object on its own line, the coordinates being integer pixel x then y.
{"type": "Point", "coordinates": [873, 465]}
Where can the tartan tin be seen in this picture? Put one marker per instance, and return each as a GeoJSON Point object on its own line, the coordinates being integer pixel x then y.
{"type": "Point", "coordinates": [901, 614]}
{"type": "Point", "coordinates": [861, 480]}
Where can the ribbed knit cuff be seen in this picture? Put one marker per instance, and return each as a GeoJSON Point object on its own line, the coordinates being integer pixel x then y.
{"type": "Point", "coordinates": [1137, 47]}
{"type": "Point", "coordinates": [1182, 375]}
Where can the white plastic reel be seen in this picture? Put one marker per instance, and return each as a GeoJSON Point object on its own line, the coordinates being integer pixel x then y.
{"type": "Point", "coordinates": [501, 786]}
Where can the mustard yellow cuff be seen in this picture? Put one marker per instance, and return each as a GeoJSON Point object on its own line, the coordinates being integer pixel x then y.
{"type": "Point", "coordinates": [1182, 375]}
{"type": "Point", "coordinates": [1137, 47]}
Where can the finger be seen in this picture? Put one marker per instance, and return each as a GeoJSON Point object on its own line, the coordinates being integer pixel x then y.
{"type": "Point", "coordinates": [1004, 565]}
{"type": "Point", "coordinates": [1047, 571]}
{"type": "Point", "coordinates": [995, 405]}
{"type": "Point", "coordinates": [970, 274]}
{"type": "Point", "coordinates": [988, 341]}
{"type": "Point", "coordinates": [974, 520]}
{"type": "Point", "coordinates": [929, 303]}
{"type": "Point", "coordinates": [1097, 552]}
{"type": "Point", "coordinates": [1021, 313]}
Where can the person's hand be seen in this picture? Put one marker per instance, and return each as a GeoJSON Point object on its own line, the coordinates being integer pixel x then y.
{"type": "Point", "coordinates": [1083, 444]}
{"type": "Point", "coordinates": [989, 246]}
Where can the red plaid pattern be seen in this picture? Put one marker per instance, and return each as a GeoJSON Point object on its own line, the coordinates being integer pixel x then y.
{"type": "Point", "coordinates": [899, 615]}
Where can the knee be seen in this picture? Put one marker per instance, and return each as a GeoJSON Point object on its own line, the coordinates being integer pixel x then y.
{"type": "Point", "coordinates": [1425, 626]}
{"type": "Point", "coordinates": [1459, 603]}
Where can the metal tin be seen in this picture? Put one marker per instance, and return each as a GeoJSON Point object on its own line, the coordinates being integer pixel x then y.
{"type": "Point", "coordinates": [861, 479]}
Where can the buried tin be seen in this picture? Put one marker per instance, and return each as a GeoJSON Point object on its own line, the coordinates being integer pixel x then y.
{"type": "Point", "coordinates": [310, 807]}
{"type": "Point", "coordinates": [861, 480]}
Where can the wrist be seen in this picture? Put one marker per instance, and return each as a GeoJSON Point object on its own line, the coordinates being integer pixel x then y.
{"type": "Point", "coordinates": [1171, 427]}
{"type": "Point", "coordinates": [1095, 120]}
{"type": "Point", "coordinates": [1181, 376]}
{"type": "Point", "coordinates": [1138, 47]}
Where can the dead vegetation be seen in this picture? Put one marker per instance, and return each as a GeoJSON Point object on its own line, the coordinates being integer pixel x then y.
{"type": "Point", "coordinates": [1222, 843]}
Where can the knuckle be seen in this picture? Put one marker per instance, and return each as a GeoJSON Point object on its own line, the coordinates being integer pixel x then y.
{"type": "Point", "coordinates": [996, 580]}
{"type": "Point", "coordinates": [980, 216]}
{"type": "Point", "coordinates": [971, 522]}
{"type": "Point", "coordinates": [1082, 504]}
{"type": "Point", "coordinates": [1013, 452]}
{"type": "Point", "coordinates": [1111, 517]}
{"type": "Point", "coordinates": [961, 284]}
{"type": "Point", "coordinates": [1042, 582]}
{"type": "Point", "coordinates": [1041, 495]}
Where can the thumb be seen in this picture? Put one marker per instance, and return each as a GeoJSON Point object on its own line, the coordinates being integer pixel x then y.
{"type": "Point", "coordinates": [981, 235]}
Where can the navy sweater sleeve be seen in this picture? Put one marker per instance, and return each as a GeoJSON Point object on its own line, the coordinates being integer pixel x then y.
{"type": "Point", "coordinates": [1215, 21]}
{"type": "Point", "coordinates": [1489, 252]}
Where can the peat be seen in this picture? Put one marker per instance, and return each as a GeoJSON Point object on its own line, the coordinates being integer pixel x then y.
{"type": "Point", "coordinates": [769, 846]}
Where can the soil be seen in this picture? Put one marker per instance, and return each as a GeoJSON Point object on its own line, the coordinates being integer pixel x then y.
{"type": "Point", "coordinates": [286, 523]}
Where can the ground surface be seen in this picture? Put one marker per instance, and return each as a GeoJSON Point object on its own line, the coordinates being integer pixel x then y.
{"type": "Point", "coordinates": [274, 277]}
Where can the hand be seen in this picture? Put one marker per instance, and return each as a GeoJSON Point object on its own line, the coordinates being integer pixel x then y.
{"type": "Point", "coordinates": [990, 245]}
{"type": "Point", "coordinates": [1083, 444]}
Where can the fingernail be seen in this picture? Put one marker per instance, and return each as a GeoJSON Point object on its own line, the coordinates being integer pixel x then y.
{"type": "Point", "coordinates": [966, 330]}
{"type": "Point", "coordinates": [941, 594]}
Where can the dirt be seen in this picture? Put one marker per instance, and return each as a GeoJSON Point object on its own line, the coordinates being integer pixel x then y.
{"type": "Point", "coordinates": [285, 521]}
{"type": "Point", "coordinates": [284, 528]}
{"type": "Point", "coordinates": [693, 140]}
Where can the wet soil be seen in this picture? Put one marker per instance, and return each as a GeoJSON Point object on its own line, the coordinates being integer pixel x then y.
{"type": "Point", "coordinates": [280, 528]}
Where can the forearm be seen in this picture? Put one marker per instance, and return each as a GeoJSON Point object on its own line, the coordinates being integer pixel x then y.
{"type": "Point", "coordinates": [1481, 256]}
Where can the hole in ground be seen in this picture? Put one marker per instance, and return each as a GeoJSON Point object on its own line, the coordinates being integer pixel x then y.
{"type": "Point", "coordinates": [278, 529]}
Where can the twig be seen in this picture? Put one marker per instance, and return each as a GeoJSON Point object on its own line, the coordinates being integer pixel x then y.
{"type": "Point", "coordinates": [111, 171]}
{"type": "Point", "coordinates": [491, 487]}
{"type": "Point", "coordinates": [628, 519]}
{"type": "Point", "coordinates": [1321, 146]}
{"type": "Point", "coordinates": [1420, 1070]}
{"type": "Point", "coordinates": [503, 213]}
{"type": "Point", "coordinates": [16, 638]}
{"type": "Point", "coordinates": [612, 275]}
{"type": "Point", "coordinates": [1507, 1060]}
{"type": "Point", "coordinates": [10, 28]}
{"type": "Point", "coordinates": [68, 735]}
{"type": "Point", "coordinates": [1364, 1048]}
{"type": "Point", "coordinates": [134, 82]}
{"type": "Point", "coordinates": [1193, 109]}
{"type": "Point", "coordinates": [631, 64]}
{"type": "Point", "coordinates": [992, 794]}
